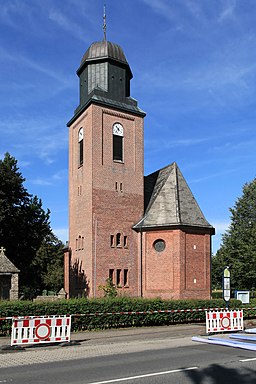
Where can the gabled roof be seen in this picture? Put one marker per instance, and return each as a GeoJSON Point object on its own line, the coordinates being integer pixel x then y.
{"type": "Point", "coordinates": [169, 202]}
{"type": "Point", "coordinates": [6, 266]}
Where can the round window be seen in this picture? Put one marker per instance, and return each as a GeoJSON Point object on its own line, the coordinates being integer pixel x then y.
{"type": "Point", "coordinates": [159, 245]}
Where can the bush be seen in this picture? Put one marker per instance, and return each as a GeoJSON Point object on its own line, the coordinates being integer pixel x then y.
{"type": "Point", "coordinates": [112, 312]}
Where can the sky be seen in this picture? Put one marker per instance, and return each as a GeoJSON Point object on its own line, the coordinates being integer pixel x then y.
{"type": "Point", "coordinates": [194, 74]}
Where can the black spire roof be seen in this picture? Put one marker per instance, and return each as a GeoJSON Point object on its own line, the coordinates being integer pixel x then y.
{"type": "Point", "coordinates": [105, 76]}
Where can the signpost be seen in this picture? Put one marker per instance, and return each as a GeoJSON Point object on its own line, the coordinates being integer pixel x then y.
{"type": "Point", "coordinates": [226, 285]}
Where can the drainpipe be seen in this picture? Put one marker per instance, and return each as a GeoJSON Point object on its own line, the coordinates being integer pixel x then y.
{"type": "Point", "coordinates": [141, 264]}
{"type": "Point", "coordinates": [95, 258]}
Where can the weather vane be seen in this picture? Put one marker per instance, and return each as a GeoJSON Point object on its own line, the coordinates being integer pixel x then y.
{"type": "Point", "coordinates": [104, 24]}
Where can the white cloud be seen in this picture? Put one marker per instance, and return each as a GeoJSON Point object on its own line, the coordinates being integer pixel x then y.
{"type": "Point", "coordinates": [213, 175]}
{"type": "Point", "coordinates": [68, 25]}
{"type": "Point", "coordinates": [40, 181]}
{"type": "Point", "coordinates": [161, 7]}
{"type": "Point", "coordinates": [157, 145]}
{"type": "Point", "coordinates": [61, 233]}
{"type": "Point", "coordinates": [44, 138]}
{"type": "Point", "coordinates": [228, 11]}
{"type": "Point", "coordinates": [221, 226]}
{"type": "Point", "coordinates": [52, 180]}
{"type": "Point", "coordinates": [22, 60]}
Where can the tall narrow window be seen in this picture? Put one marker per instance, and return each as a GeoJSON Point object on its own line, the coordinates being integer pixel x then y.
{"type": "Point", "coordinates": [81, 146]}
{"type": "Point", "coordinates": [112, 240]}
{"type": "Point", "coordinates": [126, 277]}
{"type": "Point", "coordinates": [118, 277]}
{"type": "Point", "coordinates": [118, 239]}
{"type": "Point", "coordinates": [111, 275]}
{"type": "Point", "coordinates": [118, 133]}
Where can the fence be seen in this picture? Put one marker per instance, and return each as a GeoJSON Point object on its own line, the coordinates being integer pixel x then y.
{"type": "Point", "coordinates": [224, 320]}
{"type": "Point", "coordinates": [34, 330]}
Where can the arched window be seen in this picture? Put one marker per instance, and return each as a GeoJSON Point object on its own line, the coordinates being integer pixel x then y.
{"type": "Point", "coordinates": [81, 146]}
{"type": "Point", "coordinates": [118, 135]}
{"type": "Point", "coordinates": [118, 239]}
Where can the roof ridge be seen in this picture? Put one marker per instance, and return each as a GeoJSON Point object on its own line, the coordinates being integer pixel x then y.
{"type": "Point", "coordinates": [177, 195]}
{"type": "Point", "coordinates": [156, 191]}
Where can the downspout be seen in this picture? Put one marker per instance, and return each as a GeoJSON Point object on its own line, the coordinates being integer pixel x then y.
{"type": "Point", "coordinates": [141, 264]}
{"type": "Point", "coordinates": [95, 258]}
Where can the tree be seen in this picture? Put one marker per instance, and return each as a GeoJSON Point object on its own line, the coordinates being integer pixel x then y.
{"type": "Point", "coordinates": [109, 289]}
{"type": "Point", "coordinates": [50, 262]}
{"type": "Point", "coordinates": [238, 249]}
{"type": "Point", "coordinates": [24, 225]}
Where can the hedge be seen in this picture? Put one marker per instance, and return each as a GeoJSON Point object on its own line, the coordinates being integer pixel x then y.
{"type": "Point", "coordinates": [107, 312]}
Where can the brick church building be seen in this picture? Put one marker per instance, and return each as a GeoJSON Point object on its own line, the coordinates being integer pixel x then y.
{"type": "Point", "coordinates": [147, 234]}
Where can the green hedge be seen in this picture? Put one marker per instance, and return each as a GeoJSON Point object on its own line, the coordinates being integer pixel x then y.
{"type": "Point", "coordinates": [104, 321]}
{"type": "Point", "coordinates": [250, 313]}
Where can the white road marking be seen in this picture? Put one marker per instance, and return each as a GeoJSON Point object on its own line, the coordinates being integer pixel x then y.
{"type": "Point", "coordinates": [143, 376]}
{"type": "Point", "coordinates": [251, 359]}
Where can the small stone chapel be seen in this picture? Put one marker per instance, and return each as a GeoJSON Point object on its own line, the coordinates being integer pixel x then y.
{"type": "Point", "coordinates": [9, 278]}
{"type": "Point", "coordinates": [147, 234]}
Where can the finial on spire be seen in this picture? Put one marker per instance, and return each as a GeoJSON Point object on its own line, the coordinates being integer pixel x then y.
{"type": "Point", "coordinates": [104, 24]}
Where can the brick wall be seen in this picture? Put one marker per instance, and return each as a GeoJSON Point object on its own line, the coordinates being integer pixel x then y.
{"type": "Point", "coordinates": [105, 198]}
{"type": "Point", "coordinates": [181, 270]}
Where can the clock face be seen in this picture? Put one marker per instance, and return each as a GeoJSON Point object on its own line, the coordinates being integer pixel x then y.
{"type": "Point", "coordinates": [118, 129]}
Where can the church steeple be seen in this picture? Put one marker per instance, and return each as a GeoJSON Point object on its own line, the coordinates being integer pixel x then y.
{"type": "Point", "coordinates": [104, 72]}
{"type": "Point", "coordinates": [105, 75]}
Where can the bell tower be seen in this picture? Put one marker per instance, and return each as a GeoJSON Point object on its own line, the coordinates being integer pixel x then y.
{"type": "Point", "coordinates": [106, 155]}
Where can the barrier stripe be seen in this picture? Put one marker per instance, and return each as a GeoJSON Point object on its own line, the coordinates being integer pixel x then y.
{"type": "Point", "coordinates": [225, 320]}
{"type": "Point", "coordinates": [40, 330]}
{"type": "Point", "coordinates": [127, 313]}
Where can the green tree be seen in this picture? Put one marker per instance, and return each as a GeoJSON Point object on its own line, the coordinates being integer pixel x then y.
{"type": "Point", "coordinates": [24, 225]}
{"type": "Point", "coordinates": [109, 288]}
{"type": "Point", "coordinates": [238, 249]}
{"type": "Point", "coordinates": [50, 262]}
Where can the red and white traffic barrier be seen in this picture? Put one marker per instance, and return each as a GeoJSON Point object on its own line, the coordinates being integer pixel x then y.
{"type": "Point", "coordinates": [224, 320]}
{"type": "Point", "coordinates": [32, 330]}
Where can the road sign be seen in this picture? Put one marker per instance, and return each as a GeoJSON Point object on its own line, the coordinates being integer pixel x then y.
{"type": "Point", "coordinates": [226, 285]}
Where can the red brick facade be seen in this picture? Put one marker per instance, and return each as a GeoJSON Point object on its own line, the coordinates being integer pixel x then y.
{"type": "Point", "coordinates": [105, 201]}
{"type": "Point", "coordinates": [181, 270]}
{"type": "Point", "coordinates": [107, 235]}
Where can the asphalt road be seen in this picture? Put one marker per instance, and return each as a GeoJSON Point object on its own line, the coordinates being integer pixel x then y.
{"type": "Point", "coordinates": [141, 358]}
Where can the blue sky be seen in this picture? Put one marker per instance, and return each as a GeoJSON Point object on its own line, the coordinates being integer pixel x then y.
{"type": "Point", "coordinates": [194, 68]}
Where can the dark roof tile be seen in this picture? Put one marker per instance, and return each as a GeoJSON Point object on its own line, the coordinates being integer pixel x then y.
{"type": "Point", "coordinates": [170, 202]}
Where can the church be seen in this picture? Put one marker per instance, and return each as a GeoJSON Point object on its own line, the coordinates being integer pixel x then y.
{"type": "Point", "coordinates": [147, 234]}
